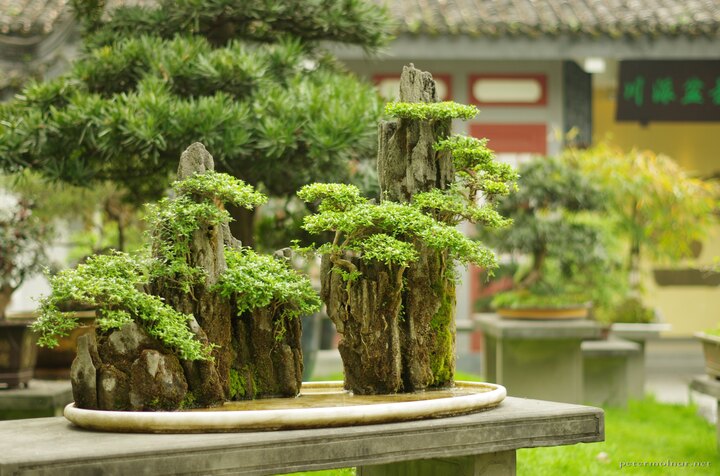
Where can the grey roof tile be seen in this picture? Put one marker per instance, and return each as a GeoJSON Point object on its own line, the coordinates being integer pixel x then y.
{"type": "Point", "coordinates": [613, 18]}
{"type": "Point", "coordinates": [492, 18]}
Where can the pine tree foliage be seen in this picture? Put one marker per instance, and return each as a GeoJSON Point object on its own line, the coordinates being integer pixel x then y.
{"type": "Point", "coordinates": [249, 79]}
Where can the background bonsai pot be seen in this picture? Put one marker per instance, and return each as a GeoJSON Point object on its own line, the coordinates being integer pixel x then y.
{"type": "Point", "coordinates": [18, 352]}
{"type": "Point", "coordinates": [580, 311]}
{"type": "Point", "coordinates": [711, 350]}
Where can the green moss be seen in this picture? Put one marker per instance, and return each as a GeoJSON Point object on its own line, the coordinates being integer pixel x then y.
{"type": "Point", "coordinates": [442, 354]}
{"type": "Point", "coordinates": [189, 401]}
{"type": "Point", "coordinates": [238, 387]}
{"type": "Point", "coordinates": [422, 111]}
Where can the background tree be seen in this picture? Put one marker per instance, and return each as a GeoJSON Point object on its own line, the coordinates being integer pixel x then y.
{"type": "Point", "coordinates": [249, 79]}
{"type": "Point", "coordinates": [558, 226]}
{"type": "Point", "coordinates": [657, 208]}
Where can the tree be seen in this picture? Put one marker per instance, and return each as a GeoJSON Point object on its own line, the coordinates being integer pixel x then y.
{"type": "Point", "coordinates": [248, 79]}
{"type": "Point", "coordinates": [195, 321]}
{"type": "Point", "coordinates": [388, 275]}
{"type": "Point", "coordinates": [657, 207]}
{"type": "Point", "coordinates": [558, 225]}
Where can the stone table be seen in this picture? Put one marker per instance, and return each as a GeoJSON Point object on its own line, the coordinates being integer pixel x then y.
{"type": "Point", "coordinates": [41, 398]}
{"type": "Point", "coordinates": [639, 333]}
{"type": "Point", "coordinates": [537, 358]}
{"type": "Point", "coordinates": [607, 371]}
{"type": "Point", "coordinates": [479, 443]}
{"type": "Point", "coordinates": [709, 386]}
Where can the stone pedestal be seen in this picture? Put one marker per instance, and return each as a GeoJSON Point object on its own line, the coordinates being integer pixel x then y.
{"type": "Point", "coordinates": [640, 334]}
{"type": "Point", "coordinates": [607, 371]}
{"type": "Point", "coordinates": [483, 443]}
{"type": "Point", "coordinates": [709, 386]}
{"type": "Point", "coordinates": [536, 359]}
{"type": "Point", "coordinates": [41, 398]}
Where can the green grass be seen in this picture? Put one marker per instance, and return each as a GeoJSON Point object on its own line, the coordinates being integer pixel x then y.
{"type": "Point", "coordinates": [645, 432]}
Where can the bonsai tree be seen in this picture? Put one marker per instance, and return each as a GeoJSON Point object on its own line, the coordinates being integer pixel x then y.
{"type": "Point", "coordinates": [22, 240]}
{"type": "Point", "coordinates": [249, 79]}
{"type": "Point", "coordinates": [195, 320]}
{"type": "Point", "coordinates": [388, 275]}
{"type": "Point", "coordinates": [558, 229]}
{"type": "Point", "coordinates": [657, 208]}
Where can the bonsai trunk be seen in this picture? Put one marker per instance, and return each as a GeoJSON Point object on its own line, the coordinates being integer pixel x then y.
{"type": "Point", "coordinates": [408, 164]}
{"type": "Point", "coordinates": [400, 337]}
{"type": "Point", "coordinates": [366, 312]}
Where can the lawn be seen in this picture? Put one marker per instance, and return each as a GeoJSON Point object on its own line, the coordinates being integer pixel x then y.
{"type": "Point", "coordinates": [667, 439]}
{"type": "Point", "coordinates": [647, 432]}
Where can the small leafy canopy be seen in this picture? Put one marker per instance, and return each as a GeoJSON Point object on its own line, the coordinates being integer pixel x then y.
{"type": "Point", "coordinates": [476, 168]}
{"type": "Point", "coordinates": [222, 187]}
{"type": "Point", "coordinates": [332, 196]}
{"type": "Point", "coordinates": [384, 232]}
{"type": "Point", "coordinates": [254, 281]}
{"type": "Point", "coordinates": [112, 284]}
{"type": "Point", "coordinates": [429, 111]}
{"type": "Point", "coordinates": [477, 174]}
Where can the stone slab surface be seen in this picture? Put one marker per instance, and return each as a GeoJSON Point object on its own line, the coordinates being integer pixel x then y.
{"type": "Point", "coordinates": [705, 384]}
{"type": "Point", "coordinates": [536, 329]}
{"type": "Point", "coordinates": [639, 332]}
{"type": "Point", "coordinates": [609, 348]}
{"type": "Point", "coordinates": [39, 394]}
{"type": "Point", "coordinates": [53, 446]}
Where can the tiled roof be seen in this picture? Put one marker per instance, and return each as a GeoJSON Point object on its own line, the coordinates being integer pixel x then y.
{"type": "Point", "coordinates": [31, 17]}
{"type": "Point", "coordinates": [614, 18]}
{"type": "Point", "coordinates": [27, 18]}
{"type": "Point", "coordinates": [493, 18]}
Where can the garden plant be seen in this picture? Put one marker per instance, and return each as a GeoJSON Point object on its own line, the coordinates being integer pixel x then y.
{"type": "Point", "coordinates": [658, 209]}
{"type": "Point", "coordinates": [250, 80]}
{"type": "Point", "coordinates": [560, 235]}
{"type": "Point", "coordinates": [388, 275]}
{"type": "Point", "coordinates": [196, 319]}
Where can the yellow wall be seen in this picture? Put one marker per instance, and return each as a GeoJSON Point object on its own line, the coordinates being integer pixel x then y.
{"type": "Point", "coordinates": [696, 147]}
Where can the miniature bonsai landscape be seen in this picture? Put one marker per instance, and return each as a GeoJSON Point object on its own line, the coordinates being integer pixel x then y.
{"type": "Point", "coordinates": [197, 320]}
{"type": "Point", "coordinates": [388, 275]}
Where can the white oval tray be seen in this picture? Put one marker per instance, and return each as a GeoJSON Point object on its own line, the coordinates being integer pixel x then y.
{"type": "Point", "coordinates": [470, 397]}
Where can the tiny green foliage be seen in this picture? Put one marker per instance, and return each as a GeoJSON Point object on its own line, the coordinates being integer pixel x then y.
{"type": "Point", "coordinates": [253, 281]}
{"type": "Point", "coordinates": [332, 196]}
{"type": "Point", "coordinates": [222, 187]}
{"type": "Point", "coordinates": [238, 386]}
{"type": "Point", "coordinates": [422, 111]}
{"type": "Point", "coordinates": [388, 250]}
{"type": "Point", "coordinates": [385, 232]}
{"type": "Point", "coordinates": [477, 169]}
{"type": "Point", "coordinates": [112, 283]}
{"type": "Point", "coordinates": [452, 207]}
{"type": "Point", "coordinates": [172, 223]}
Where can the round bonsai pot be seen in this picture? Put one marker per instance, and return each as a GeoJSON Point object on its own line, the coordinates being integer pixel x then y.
{"type": "Point", "coordinates": [18, 352]}
{"type": "Point", "coordinates": [569, 312]}
{"type": "Point", "coordinates": [711, 350]}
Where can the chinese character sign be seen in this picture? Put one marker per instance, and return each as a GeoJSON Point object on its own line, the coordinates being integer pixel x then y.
{"type": "Point", "coordinates": [669, 91]}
